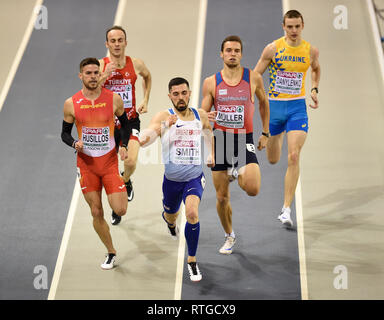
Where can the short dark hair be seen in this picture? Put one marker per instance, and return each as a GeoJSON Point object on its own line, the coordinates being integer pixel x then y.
{"type": "Point", "coordinates": [292, 14]}
{"type": "Point", "coordinates": [115, 28]}
{"type": "Point", "coordinates": [177, 81]}
{"type": "Point", "coordinates": [88, 61]}
{"type": "Point", "coordinates": [232, 38]}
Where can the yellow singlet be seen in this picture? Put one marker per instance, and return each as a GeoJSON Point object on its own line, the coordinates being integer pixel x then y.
{"type": "Point", "coordinates": [287, 70]}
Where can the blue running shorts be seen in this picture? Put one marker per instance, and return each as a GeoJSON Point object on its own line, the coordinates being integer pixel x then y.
{"type": "Point", "coordinates": [174, 192]}
{"type": "Point", "coordinates": [287, 116]}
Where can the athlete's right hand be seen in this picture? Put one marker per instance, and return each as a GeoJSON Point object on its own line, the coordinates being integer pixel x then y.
{"type": "Point", "coordinates": [109, 68]}
{"type": "Point", "coordinates": [171, 120]}
{"type": "Point", "coordinates": [262, 142]}
{"type": "Point", "coordinates": [212, 116]}
{"type": "Point", "coordinates": [79, 146]}
{"type": "Point", "coordinates": [315, 100]}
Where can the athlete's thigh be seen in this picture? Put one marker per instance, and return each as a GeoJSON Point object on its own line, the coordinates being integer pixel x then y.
{"type": "Point", "coordinates": [118, 201]}
{"type": "Point", "coordinates": [133, 150]}
{"type": "Point", "coordinates": [172, 195]}
{"type": "Point", "coordinates": [93, 199]}
{"type": "Point", "coordinates": [274, 145]}
{"type": "Point", "coordinates": [298, 117]}
{"type": "Point", "coordinates": [194, 187]}
{"type": "Point", "coordinates": [278, 116]}
{"type": "Point", "coordinates": [89, 181]}
{"type": "Point", "coordinates": [296, 140]}
{"type": "Point", "coordinates": [221, 183]}
{"type": "Point", "coordinates": [111, 179]}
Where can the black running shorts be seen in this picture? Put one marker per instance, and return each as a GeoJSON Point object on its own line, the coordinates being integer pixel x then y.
{"type": "Point", "coordinates": [233, 149]}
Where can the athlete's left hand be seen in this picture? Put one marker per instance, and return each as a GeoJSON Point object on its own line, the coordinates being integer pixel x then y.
{"type": "Point", "coordinates": [314, 99]}
{"type": "Point", "coordinates": [123, 152]}
{"type": "Point", "coordinates": [210, 161]}
{"type": "Point", "coordinates": [262, 142]}
{"type": "Point", "coordinates": [212, 116]}
{"type": "Point", "coordinates": [143, 108]}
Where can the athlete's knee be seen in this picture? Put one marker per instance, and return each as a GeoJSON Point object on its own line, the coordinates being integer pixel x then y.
{"type": "Point", "coordinates": [222, 199]}
{"type": "Point", "coordinates": [293, 158]}
{"type": "Point", "coordinates": [273, 160]}
{"type": "Point", "coordinates": [97, 211]}
{"type": "Point", "coordinates": [120, 210]}
{"type": "Point", "coordinates": [130, 163]}
{"type": "Point", "coordinates": [252, 188]}
{"type": "Point", "coordinates": [273, 156]}
{"type": "Point", "coordinates": [192, 215]}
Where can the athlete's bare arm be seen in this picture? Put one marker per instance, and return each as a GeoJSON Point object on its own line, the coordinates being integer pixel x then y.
{"type": "Point", "coordinates": [266, 58]}
{"type": "Point", "coordinates": [69, 111]}
{"type": "Point", "coordinates": [142, 70]}
{"type": "Point", "coordinates": [258, 85]}
{"type": "Point", "coordinates": [208, 138]}
{"type": "Point", "coordinates": [315, 75]}
{"type": "Point", "coordinates": [118, 105]}
{"type": "Point", "coordinates": [159, 121]}
{"type": "Point", "coordinates": [208, 97]}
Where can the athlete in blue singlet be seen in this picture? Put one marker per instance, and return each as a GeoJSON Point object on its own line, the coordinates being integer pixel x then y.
{"type": "Point", "coordinates": [181, 129]}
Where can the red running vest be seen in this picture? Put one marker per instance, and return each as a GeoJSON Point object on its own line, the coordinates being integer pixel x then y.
{"type": "Point", "coordinates": [122, 82]}
{"type": "Point", "coordinates": [233, 105]}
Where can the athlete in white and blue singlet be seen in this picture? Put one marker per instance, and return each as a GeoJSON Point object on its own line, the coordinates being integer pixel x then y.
{"type": "Point", "coordinates": [181, 129]}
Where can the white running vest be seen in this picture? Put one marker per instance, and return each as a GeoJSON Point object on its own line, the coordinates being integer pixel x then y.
{"type": "Point", "coordinates": [181, 149]}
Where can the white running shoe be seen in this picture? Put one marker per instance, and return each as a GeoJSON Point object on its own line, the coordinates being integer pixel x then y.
{"type": "Point", "coordinates": [194, 272]}
{"type": "Point", "coordinates": [227, 248]}
{"type": "Point", "coordinates": [109, 261]}
{"type": "Point", "coordinates": [285, 218]}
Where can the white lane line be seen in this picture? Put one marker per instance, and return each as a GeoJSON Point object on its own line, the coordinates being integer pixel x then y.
{"type": "Point", "coordinates": [299, 219]}
{"type": "Point", "coordinates": [75, 199]}
{"type": "Point", "coordinates": [64, 241]}
{"type": "Point", "coordinates": [376, 36]}
{"type": "Point", "coordinates": [194, 103]}
{"type": "Point", "coordinates": [301, 243]}
{"type": "Point", "coordinates": [180, 256]}
{"type": "Point", "coordinates": [19, 53]}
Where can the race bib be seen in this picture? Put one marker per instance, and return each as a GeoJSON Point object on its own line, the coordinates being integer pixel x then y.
{"type": "Point", "coordinates": [187, 152]}
{"type": "Point", "coordinates": [122, 87]}
{"type": "Point", "coordinates": [95, 138]}
{"type": "Point", "coordinates": [126, 95]}
{"type": "Point", "coordinates": [230, 116]}
{"type": "Point", "coordinates": [289, 82]}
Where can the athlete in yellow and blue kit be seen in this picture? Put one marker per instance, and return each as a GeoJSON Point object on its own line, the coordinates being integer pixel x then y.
{"type": "Point", "coordinates": [288, 60]}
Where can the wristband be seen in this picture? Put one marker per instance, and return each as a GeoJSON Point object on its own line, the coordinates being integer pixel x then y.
{"type": "Point", "coordinates": [266, 134]}
{"type": "Point", "coordinates": [316, 89]}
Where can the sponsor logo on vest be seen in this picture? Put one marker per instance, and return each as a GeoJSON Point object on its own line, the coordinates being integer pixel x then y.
{"type": "Point", "coordinates": [89, 106]}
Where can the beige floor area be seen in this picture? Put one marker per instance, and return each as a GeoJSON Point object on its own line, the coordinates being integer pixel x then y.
{"type": "Point", "coordinates": [342, 167]}
{"type": "Point", "coordinates": [147, 257]}
{"type": "Point", "coordinates": [13, 31]}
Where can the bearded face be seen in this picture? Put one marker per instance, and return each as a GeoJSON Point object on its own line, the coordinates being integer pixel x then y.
{"type": "Point", "coordinates": [180, 95]}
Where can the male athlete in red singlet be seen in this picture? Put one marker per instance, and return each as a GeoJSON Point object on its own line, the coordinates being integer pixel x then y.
{"type": "Point", "coordinates": [119, 74]}
{"type": "Point", "coordinates": [93, 110]}
{"type": "Point", "coordinates": [231, 91]}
